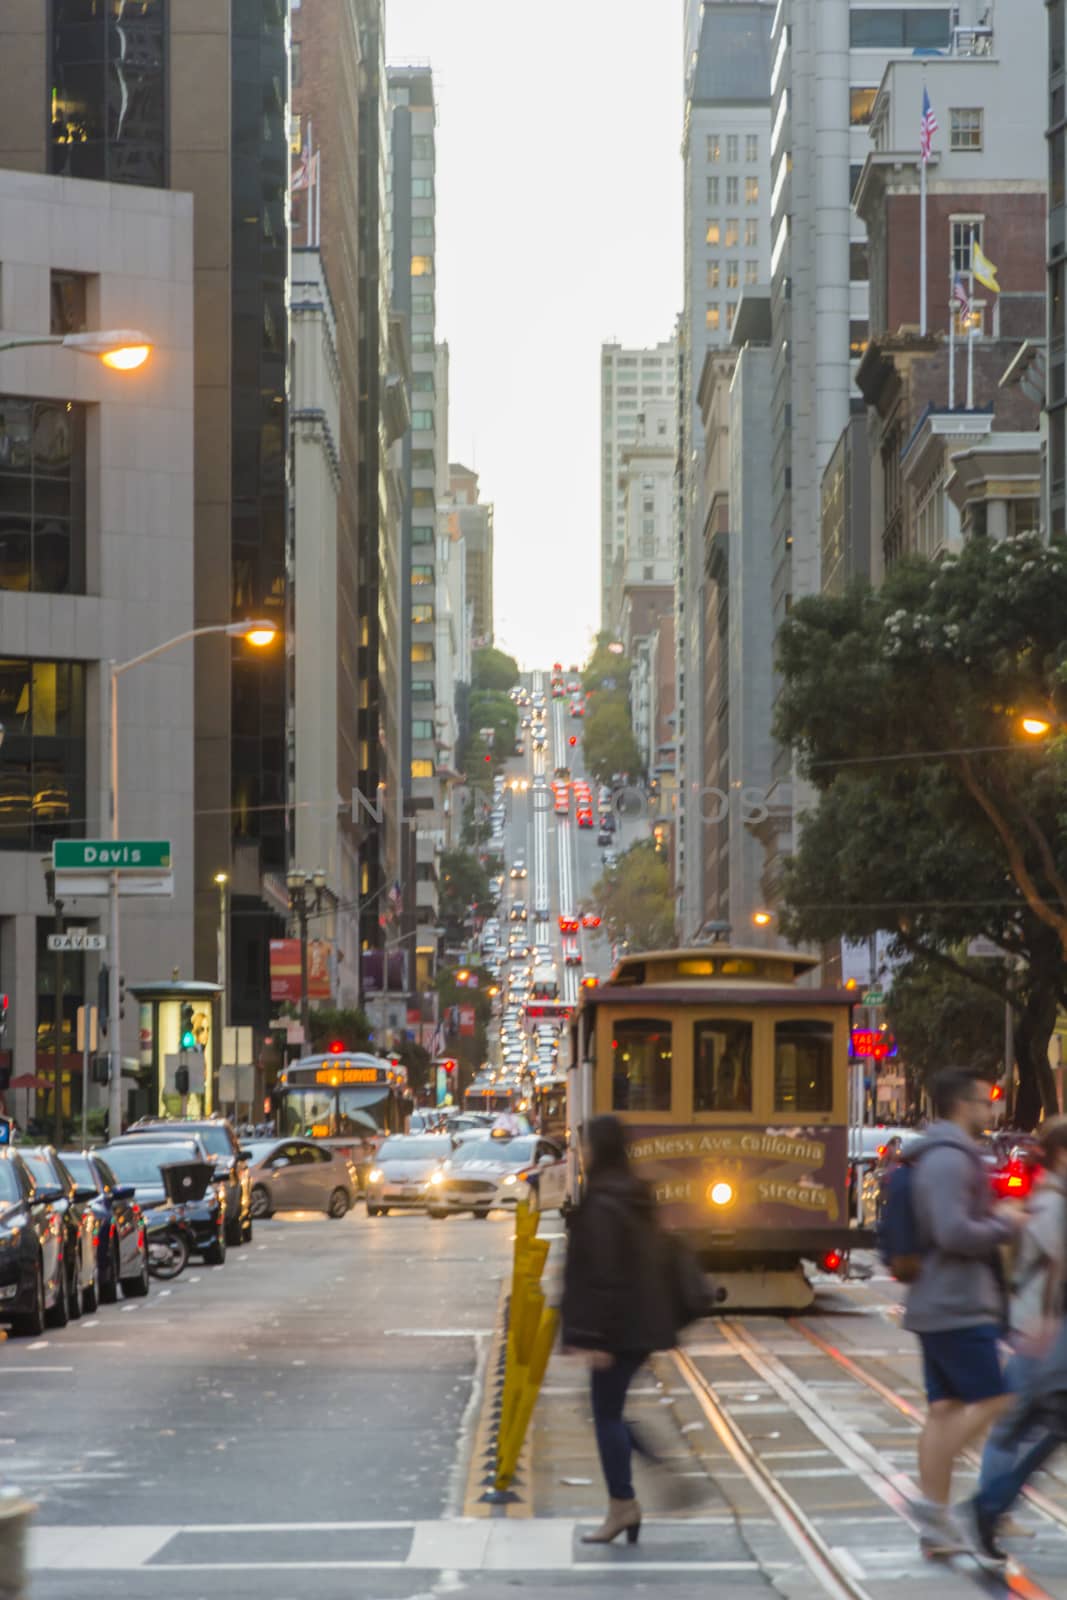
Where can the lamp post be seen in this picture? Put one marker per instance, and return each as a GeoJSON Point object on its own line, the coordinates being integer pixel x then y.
{"type": "Point", "coordinates": [257, 633]}
{"type": "Point", "coordinates": [122, 349]}
{"type": "Point", "coordinates": [222, 881]}
{"type": "Point", "coordinates": [306, 891]}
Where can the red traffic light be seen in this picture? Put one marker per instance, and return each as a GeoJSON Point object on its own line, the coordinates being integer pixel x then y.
{"type": "Point", "coordinates": [488, 757]}
{"type": "Point", "coordinates": [573, 740]}
{"type": "Point", "coordinates": [336, 1047]}
{"type": "Point", "coordinates": [996, 1092]}
{"type": "Point", "coordinates": [450, 1067]}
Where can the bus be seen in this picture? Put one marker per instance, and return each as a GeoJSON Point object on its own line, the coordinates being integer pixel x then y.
{"type": "Point", "coordinates": [492, 1097]}
{"type": "Point", "coordinates": [545, 985]}
{"type": "Point", "coordinates": [731, 1076]}
{"type": "Point", "coordinates": [349, 1101]}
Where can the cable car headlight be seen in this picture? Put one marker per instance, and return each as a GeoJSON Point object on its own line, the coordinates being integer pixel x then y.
{"type": "Point", "coordinates": [721, 1193]}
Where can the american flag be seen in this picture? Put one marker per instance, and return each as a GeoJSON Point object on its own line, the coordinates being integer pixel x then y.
{"type": "Point", "coordinates": [960, 297]}
{"type": "Point", "coordinates": [927, 128]}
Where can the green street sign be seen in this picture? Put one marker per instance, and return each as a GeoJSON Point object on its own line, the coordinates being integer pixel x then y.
{"type": "Point", "coordinates": [109, 855]}
{"type": "Point", "coordinates": [874, 997]}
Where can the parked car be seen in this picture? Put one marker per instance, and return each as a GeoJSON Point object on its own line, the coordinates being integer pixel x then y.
{"type": "Point", "coordinates": [222, 1145]}
{"type": "Point", "coordinates": [300, 1175]}
{"type": "Point", "coordinates": [121, 1244]}
{"type": "Point", "coordinates": [79, 1232]}
{"type": "Point", "coordinates": [32, 1281]}
{"type": "Point", "coordinates": [138, 1161]}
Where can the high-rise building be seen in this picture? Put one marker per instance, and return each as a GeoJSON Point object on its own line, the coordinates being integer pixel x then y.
{"type": "Point", "coordinates": [726, 152]}
{"type": "Point", "coordinates": [475, 524]}
{"type": "Point", "coordinates": [630, 380]}
{"type": "Point", "coordinates": [1057, 266]}
{"type": "Point", "coordinates": [204, 97]}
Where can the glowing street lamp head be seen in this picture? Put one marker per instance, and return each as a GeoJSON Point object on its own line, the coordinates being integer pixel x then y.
{"type": "Point", "coordinates": [1034, 726]}
{"type": "Point", "coordinates": [762, 919]}
{"type": "Point", "coordinates": [127, 357]}
{"type": "Point", "coordinates": [256, 632]}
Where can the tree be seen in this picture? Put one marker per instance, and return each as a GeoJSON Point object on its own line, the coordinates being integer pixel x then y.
{"type": "Point", "coordinates": [606, 666]}
{"type": "Point", "coordinates": [496, 711]}
{"type": "Point", "coordinates": [608, 739]}
{"type": "Point", "coordinates": [939, 1017]}
{"type": "Point", "coordinates": [932, 819]}
{"type": "Point", "coordinates": [635, 901]}
{"type": "Point", "coordinates": [492, 669]}
{"type": "Point", "coordinates": [470, 1049]}
{"type": "Point", "coordinates": [351, 1028]}
{"type": "Point", "coordinates": [464, 882]}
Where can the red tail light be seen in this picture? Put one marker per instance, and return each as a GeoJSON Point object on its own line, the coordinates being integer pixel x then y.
{"type": "Point", "coordinates": [1014, 1180]}
{"type": "Point", "coordinates": [832, 1261]}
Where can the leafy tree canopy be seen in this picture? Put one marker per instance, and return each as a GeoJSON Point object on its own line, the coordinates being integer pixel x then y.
{"type": "Point", "coordinates": [494, 670]}
{"type": "Point", "coordinates": [604, 663]}
{"type": "Point", "coordinates": [608, 738]}
{"type": "Point", "coordinates": [940, 1018]}
{"type": "Point", "coordinates": [934, 818]}
{"type": "Point", "coordinates": [635, 900]}
{"type": "Point", "coordinates": [464, 882]}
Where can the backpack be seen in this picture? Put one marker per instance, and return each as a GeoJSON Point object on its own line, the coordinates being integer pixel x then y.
{"type": "Point", "coordinates": [691, 1296]}
{"type": "Point", "coordinates": [897, 1231]}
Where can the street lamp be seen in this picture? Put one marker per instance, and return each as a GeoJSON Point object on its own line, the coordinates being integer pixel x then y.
{"type": "Point", "coordinates": [258, 633]}
{"type": "Point", "coordinates": [120, 348]}
{"type": "Point", "coordinates": [1035, 726]}
{"type": "Point", "coordinates": [222, 880]}
{"type": "Point", "coordinates": [306, 891]}
{"type": "Point", "coordinates": [762, 919]}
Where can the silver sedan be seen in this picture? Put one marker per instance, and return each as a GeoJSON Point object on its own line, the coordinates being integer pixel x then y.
{"type": "Point", "coordinates": [300, 1175]}
{"type": "Point", "coordinates": [404, 1172]}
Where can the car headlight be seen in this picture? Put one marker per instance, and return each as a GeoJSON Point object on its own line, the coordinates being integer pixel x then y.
{"type": "Point", "coordinates": [375, 1175]}
{"type": "Point", "coordinates": [510, 1179]}
{"type": "Point", "coordinates": [437, 1177]}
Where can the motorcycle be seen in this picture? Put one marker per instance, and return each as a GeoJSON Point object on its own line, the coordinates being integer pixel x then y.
{"type": "Point", "coordinates": [170, 1242]}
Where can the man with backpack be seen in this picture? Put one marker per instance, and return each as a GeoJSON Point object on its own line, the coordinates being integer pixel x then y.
{"type": "Point", "coordinates": [956, 1301]}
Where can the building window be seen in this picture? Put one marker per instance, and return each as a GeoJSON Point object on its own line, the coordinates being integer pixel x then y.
{"type": "Point", "coordinates": [803, 1064]}
{"type": "Point", "coordinates": [733, 232]}
{"type": "Point", "coordinates": [751, 233]}
{"type": "Point", "coordinates": [855, 173]}
{"type": "Point", "coordinates": [422, 652]}
{"type": "Point", "coordinates": [731, 274]}
{"type": "Point", "coordinates": [649, 574]}
{"type": "Point", "coordinates": [965, 231]}
{"type": "Point", "coordinates": [69, 301]}
{"type": "Point", "coordinates": [751, 272]}
{"type": "Point", "coordinates": [42, 495]}
{"type": "Point", "coordinates": [714, 147]}
{"type": "Point", "coordinates": [713, 234]}
{"type": "Point", "coordinates": [421, 421]}
{"type": "Point", "coordinates": [422, 575]}
{"type": "Point", "coordinates": [294, 64]}
{"type": "Point", "coordinates": [108, 78]}
{"type": "Point", "coordinates": [421, 769]}
{"type": "Point", "coordinates": [422, 147]}
{"type": "Point", "coordinates": [422, 188]}
{"type": "Point", "coordinates": [713, 191]}
{"type": "Point", "coordinates": [732, 191]}
{"type": "Point", "coordinates": [423, 689]}
{"type": "Point", "coordinates": [420, 615]}
{"type": "Point", "coordinates": [859, 269]}
{"type": "Point", "coordinates": [859, 334]}
{"type": "Point", "coordinates": [751, 147]}
{"type": "Point", "coordinates": [861, 106]}
{"type": "Point", "coordinates": [422, 266]}
{"type": "Point", "coordinates": [731, 148]}
{"type": "Point", "coordinates": [896, 28]}
{"type": "Point", "coordinates": [713, 275]}
{"type": "Point", "coordinates": [422, 227]}
{"type": "Point", "coordinates": [422, 305]}
{"type": "Point", "coordinates": [965, 127]}
{"type": "Point", "coordinates": [752, 191]}
{"type": "Point", "coordinates": [640, 1068]}
{"type": "Point", "coordinates": [42, 760]}
{"type": "Point", "coordinates": [712, 318]}
{"type": "Point", "coordinates": [422, 728]}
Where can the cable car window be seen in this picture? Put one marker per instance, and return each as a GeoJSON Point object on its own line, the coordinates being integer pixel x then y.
{"type": "Point", "coordinates": [641, 1065]}
{"type": "Point", "coordinates": [803, 1066]}
{"type": "Point", "coordinates": [739, 967]}
{"type": "Point", "coordinates": [722, 1066]}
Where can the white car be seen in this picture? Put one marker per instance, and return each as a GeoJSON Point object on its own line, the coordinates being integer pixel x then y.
{"type": "Point", "coordinates": [403, 1170]}
{"type": "Point", "coordinates": [487, 1174]}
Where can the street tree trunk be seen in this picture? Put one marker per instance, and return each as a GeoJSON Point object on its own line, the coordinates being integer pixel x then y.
{"type": "Point", "coordinates": [1034, 1027]}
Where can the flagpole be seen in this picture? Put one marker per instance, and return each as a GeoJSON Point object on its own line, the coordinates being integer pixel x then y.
{"type": "Point", "coordinates": [308, 149]}
{"type": "Point", "coordinates": [952, 355]}
{"type": "Point", "coordinates": [922, 246]}
{"type": "Point", "coordinates": [318, 199]}
{"type": "Point", "coordinates": [970, 333]}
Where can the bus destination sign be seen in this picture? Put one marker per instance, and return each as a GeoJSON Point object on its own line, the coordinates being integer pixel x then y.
{"type": "Point", "coordinates": [333, 1076]}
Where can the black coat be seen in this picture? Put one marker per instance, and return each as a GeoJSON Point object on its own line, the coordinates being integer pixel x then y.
{"type": "Point", "coordinates": [616, 1283]}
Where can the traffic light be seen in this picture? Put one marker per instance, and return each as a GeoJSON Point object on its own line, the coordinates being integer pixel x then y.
{"type": "Point", "coordinates": [573, 739]}
{"type": "Point", "coordinates": [188, 1036]}
{"type": "Point", "coordinates": [450, 1067]}
{"type": "Point", "coordinates": [181, 1080]}
{"type": "Point", "coordinates": [6, 1131]}
{"type": "Point", "coordinates": [335, 1047]}
{"type": "Point", "coordinates": [3, 1014]}
{"type": "Point", "coordinates": [103, 995]}
{"type": "Point", "coordinates": [122, 1001]}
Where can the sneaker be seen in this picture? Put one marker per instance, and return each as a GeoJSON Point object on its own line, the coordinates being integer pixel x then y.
{"type": "Point", "coordinates": [1009, 1527]}
{"type": "Point", "coordinates": [981, 1529]}
{"type": "Point", "coordinates": [939, 1533]}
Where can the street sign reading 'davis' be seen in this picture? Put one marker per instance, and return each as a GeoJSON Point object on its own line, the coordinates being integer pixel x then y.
{"type": "Point", "coordinates": [109, 855]}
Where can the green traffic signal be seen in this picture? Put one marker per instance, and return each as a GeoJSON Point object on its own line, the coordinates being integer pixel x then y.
{"type": "Point", "coordinates": [188, 1041]}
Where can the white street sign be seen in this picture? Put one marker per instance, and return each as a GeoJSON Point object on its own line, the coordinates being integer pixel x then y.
{"type": "Point", "coordinates": [77, 939]}
{"type": "Point", "coordinates": [75, 885]}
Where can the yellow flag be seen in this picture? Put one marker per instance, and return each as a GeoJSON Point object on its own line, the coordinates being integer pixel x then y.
{"type": "Point", "coordinates": [984, 270]}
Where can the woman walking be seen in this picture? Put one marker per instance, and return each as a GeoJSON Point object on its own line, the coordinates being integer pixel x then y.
{"type": "Point", "coordinates": [618, 1306]}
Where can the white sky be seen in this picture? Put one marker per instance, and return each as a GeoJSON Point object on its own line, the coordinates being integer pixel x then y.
{"type": "Point", "coordinates": [559, 225]}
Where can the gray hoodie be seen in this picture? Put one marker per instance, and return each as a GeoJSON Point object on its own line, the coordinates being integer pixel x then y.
{"type": "Point", "coordinates": [957, 1286]}
{"type": "Point", "coordinates": [1041, 1248]}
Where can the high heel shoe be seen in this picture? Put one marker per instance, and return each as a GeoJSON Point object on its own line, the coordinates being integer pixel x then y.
{"type": "Point", "coordinates": [624, 1516]}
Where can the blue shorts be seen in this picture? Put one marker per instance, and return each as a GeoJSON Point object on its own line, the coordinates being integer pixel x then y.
{"type": "Point", "coordinates": [963, 1364]}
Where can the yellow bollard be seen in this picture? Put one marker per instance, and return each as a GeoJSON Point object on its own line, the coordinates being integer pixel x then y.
{"type": "Point", "coordinates": [531, 1334]}
{"type": "Point", "coordinates": [511, 1441]}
